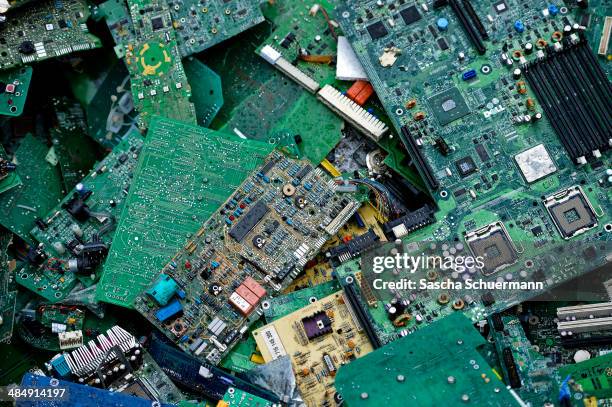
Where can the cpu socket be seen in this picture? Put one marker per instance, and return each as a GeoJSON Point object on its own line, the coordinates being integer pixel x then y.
{"type": "Point", "coordinates": [571, 212]}
{"type": "Point", "coordinates": [494, 246]}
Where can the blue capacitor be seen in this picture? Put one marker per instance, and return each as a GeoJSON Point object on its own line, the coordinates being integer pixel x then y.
{"type": "Point", "coordinates": [519, 26]}
{"type": "Point", "coordinates": [553, 10]}
{"type": "Point", "coordinates": [442, 24]}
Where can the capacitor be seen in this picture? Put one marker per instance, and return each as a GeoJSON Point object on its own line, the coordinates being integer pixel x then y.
{"type": "Point", "coordinates": [399, 306]}
{"type": "Point", "coordinates": [537, 116]}
{"type": "Point", "coordinates": [461, 56]}
{"type": "Point", "coordinates": [76, 230]}
{"type": "Point", "coordinates": [519, 26]}
{"type": "Point", "coordinates": [528, 48]}
{"type": "Point", "coordinates": [516, 74]}
{"type": "Point", "coordinates": [392, 313]}
{"type": "Point", "coordinates": [59, 247]}
{"type": "Point", "coordinates": [553, 10]}
{"type": "Point", "coordinates": [442, 24]}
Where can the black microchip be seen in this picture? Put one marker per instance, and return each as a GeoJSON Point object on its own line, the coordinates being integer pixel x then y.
{"type": "Point", "coordinates": [410, 15]}
{"type": "Point", "coordinates": [482, 153]}
{"type": "Point", "coordinates": [62, 24]}
{"type": "Point", "coordinates": [27, 47]}
{"type": "Point", "coordinates": [249, 221]}
{"type": "Point", "coordinates": [465, 166]}
{"type": "Point", "coordinates": [537, 231]}
{"type": "Point", "coordinates": [442, 44]}
{"type": "Point", "coordinates": [488, 299]}
{"type": "Point", "coordinates": [377, 30]}
{"type": "Point", "coordinates": [157, 23]}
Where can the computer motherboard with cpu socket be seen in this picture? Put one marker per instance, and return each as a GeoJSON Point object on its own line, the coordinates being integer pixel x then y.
{"type": "Point", "coordinates": [315, 203]}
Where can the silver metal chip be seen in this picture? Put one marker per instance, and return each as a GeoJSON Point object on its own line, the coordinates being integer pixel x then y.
{"type": "Point", "coordinates": [535, 163]}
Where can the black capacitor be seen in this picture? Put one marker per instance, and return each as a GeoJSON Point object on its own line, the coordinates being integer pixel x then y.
{"type": "Point", "coordinates": [528, 48]}
{"type": "Point", "coordinates": [398, 305]}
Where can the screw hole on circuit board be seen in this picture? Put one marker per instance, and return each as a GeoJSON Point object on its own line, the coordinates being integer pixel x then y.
{"type": "Point", "coordinates": [231, 390]}
{"type": "Point", "coordinates": [399, 112]}
{"type": "Point", "coordinates": [346, 14]}
{"type": "Point", "coordinates": [13, 109]}
{"type": "Point", "coordinates": [265, 305]}
{"type": "Point", "coordinates": [57, 295]}
{"type": "Point", "coordinates": [485, 69]}
{"type": "Point", "coordinates": [443, 194]}
{"type": "Point", "coordinates": [608, 227]}
{"type": "Point", "coordinates": [312, 300]}
{"type": "Point", "coordinates": [528, 264]}
{"type": "Point", "coordinates": [563, 10]}
{"type": "Point", "coordinates": [349, 280]}
{"type": "Point", "coordinates": [53, 382]}
{"type": "Point", "coordinates": [155, 404]}
{"type": "Point", "coordinates": [24, 276]}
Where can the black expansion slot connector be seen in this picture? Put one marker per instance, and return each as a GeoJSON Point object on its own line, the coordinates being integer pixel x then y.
{"type": "Point", "coordinates": [469, 30]}
{"type": "Point", "coordinates": [360, 313]}
{"type": "Point", "coordinates": [467, 4]}
{"type": "Point", "coordinates": [417, 155]}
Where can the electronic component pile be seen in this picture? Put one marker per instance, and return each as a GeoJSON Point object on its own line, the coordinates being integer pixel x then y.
{"type": "Point", "coordinates": [306, 203]}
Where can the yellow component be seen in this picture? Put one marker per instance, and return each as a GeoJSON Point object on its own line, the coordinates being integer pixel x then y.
{"type": "Point", "coordinates": [329, 167]}
{"type": "Point", "coordinates": [590, 401]}
{"type": "Point", "coordinates": [71, 320]}
{"type": "Point", "coordinates": [62, 280]}
{"type": "Point", "coordinates": [351, 344]}
{"type": "Point", "coordinates": [222, 403]}
{"type": "Point", "coordinates": [176, 24]}
{"type": "Point", "coordinates": [497, 374]}
{"type": "Point", "coordinates": [258, 359]}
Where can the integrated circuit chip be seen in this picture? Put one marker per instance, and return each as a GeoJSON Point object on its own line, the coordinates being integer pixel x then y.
{"type": "Point", "coordinates": [535, 163]}
{"type": "Point", "coordinates": [249, 221]}
{"type": "Point", "coordinates": [448, 106]}
{"type": "Point", "coordinates": [410, 15]}
{"type": "Point", "coordinates": [377, 30]}
{"type": "Point", "coordinates": [493, 244]}
{"type": "Point", "coordinates": [466, 166]}
{"type": "Point", "coordinates": [571, 212]}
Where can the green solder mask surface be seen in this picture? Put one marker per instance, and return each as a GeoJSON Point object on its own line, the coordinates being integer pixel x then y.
{"type": "Point", "coordinates": [40, 191]}
{"type": "Point", "coordinates": [105, 189]}
{"type": "Point", "coordinates": [11, 179]}
{"type": "Point", "coordinates": [169, 201]}
{"type": "Point", "coordinates": [158, 81]}
{"type": "Point", "coordinates": [61, 24]}
{"type": "Point", "coordinates": [438, 365]}
{"type": "Point", "coordinates": [14, 87]}
{"type": "Point", "coordinates": [8, 294]}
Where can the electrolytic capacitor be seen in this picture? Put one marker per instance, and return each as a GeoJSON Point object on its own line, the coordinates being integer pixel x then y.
{"type": "Point", "coordinates": [528, 48]}
{"type": "Point", "coordinates": [516, 74]}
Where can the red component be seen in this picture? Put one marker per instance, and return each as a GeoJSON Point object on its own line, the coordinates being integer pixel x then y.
{"type": "Point", "coordinates": [232, 217]}
{"type": "Point", "coordinates": [10, 88]}
{"type": "Point", "coordinates": [247, 294]}
{"type": "Point", "coordinates": [254, 286]}
{"type": "Point", "coordinates": [360, 92]}
{"type": "Point", "coordinates": [187, 265]}
{"type": "Point", "coordinates": [347, 238]}
{"type": "Point", "coordinates": [10, 101]}
{"type": "Point", "coordinates": [242, 206]}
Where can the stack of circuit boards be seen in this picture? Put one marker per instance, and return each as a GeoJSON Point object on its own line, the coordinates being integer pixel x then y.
{"type": "Point", "coordinates": [306, 203]}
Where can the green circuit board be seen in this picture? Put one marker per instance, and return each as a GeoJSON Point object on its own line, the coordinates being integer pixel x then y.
{"type": "Point", "coordinates": [40, 191]}
{"type": "Point", "coordinates": [200, 24]}
{"type": "Point", "coordinates": [591, 377]}
{"type": "Point", "coordinates": [533, 376]}
{"type": "Point", "coordinates": [477, 157]}
{"type": "Point", "coordinates": [158, 81]}
{"type": "Point", "coordinates": [462, 112]}
{"type": "Point", "coordinates": [170, 201]}
{"type": "Point", "coordinates": [207, 91]}
{"type": "Point", "coordinates": [60, 23]}
{"type": "Point", "coordinates": [8, 178]}
{"type": "Point", "coordinates": [438, 365]}
{"type": "Point", "coordinates": [212, 290]}
{"type": "Point", "coordinates": [239, 398]}
{"type": "Point", "coordinates": [15, 84]}
{"type": "Point", "coordinates": [8, 294]}
{"type": "Point", "coordinates": [81, 215]}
